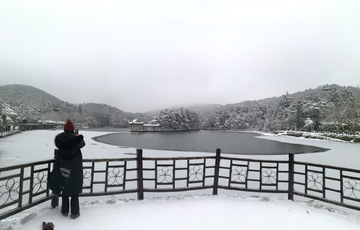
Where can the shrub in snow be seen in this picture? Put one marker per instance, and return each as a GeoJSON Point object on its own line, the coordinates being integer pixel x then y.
{"type": "Point", "coordinates": [309, 125]}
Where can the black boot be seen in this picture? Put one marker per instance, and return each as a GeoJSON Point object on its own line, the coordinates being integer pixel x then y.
{"type": "Point", "coordinates": [74, 216]}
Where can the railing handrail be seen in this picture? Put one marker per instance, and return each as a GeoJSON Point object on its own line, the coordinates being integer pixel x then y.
{"type": "Point", "coordinates": [25, 165]}
{"type": "Point", "coordinates": [178, 158]}
{"type": "Point", "coordinates": [174, 174]}
{"type": "Point", "coordinates": [327, 166]}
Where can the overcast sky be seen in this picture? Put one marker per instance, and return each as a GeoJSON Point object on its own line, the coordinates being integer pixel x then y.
{"type": "Point", "coordinates": [144, 55]}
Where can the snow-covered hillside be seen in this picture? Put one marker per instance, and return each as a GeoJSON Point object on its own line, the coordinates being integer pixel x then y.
{"type": "Point", "coordinates": [32, 104]}
{"type": "Point", "coordinates": [328, 107]}
{"type": "Point", "coordinates": [7, 115]}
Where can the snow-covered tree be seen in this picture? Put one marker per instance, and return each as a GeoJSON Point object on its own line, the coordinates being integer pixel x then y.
{"type": "Point", "coordinates": [8, 116]}
{"type": "Point", "coordinates": [180, 119]}
{"type": "Point", "coordinates": [353, 111]}
{"type": "Point", "coordinates": [309, 125]}
{"type": "Point", "coordinates": [340, 101]}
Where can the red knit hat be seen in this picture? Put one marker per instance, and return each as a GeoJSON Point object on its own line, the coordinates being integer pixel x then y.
{"type": "Point", "coordinates": [69, 126]}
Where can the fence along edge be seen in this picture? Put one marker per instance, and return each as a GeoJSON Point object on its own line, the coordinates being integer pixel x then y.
{"type": "Point", "coordinates": [216, 172]}
{"type": "Point", "coordinates": [291, 177]}
{"type": "Point", "coordinates": [140, 181]}
{"type": "Point", "coordinates": [215, 187]}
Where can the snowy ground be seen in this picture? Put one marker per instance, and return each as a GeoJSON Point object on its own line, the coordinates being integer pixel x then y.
{"type": "Point", "coordinates": [341, 154]}
{"type": "Point", "coordinates": [199, 212]}
{"type": "Point", "coordinates": [229, 210]}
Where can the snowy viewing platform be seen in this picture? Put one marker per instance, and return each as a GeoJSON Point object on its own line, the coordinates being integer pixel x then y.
{"type": "Point", "coordinates": [175, 189]}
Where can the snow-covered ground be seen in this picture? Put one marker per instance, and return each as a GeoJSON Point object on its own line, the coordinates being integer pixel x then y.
{"type": "Point", "coordinates": [198, 212]}
{"type": "Point", "coordinates": [229, 210]}
{"type": "Point", "coordinates": [341, 154]}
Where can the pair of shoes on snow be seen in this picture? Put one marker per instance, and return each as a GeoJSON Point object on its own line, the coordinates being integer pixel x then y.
{"type": "Point", "coordinates": [48, 226]}
{"type": "Point", "coordinates": [74, 216]}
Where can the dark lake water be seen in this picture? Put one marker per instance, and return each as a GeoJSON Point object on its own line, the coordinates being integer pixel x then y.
{"type": "Point", "coordinates": [205, 141]}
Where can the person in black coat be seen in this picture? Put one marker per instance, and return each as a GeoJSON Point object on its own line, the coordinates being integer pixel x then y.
{"type": "Point", "coordinates": [66, 179]}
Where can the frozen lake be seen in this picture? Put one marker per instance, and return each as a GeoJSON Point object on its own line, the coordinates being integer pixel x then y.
{"type": "Point", "coordinates": [205, 141]}
{"type": "Point", "coordinates": [30, 146]}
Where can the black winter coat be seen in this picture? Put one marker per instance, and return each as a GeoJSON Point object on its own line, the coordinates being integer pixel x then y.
{"type": "Point", "coordinates": [66, 179]}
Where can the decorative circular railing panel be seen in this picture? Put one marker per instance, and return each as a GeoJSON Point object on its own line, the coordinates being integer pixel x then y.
{"type": "Point", "coordinates": [164, 175]}
{"type": "Point", "coordinates": [352, 188]}
{"type": "Point", "coordinates": [196, 173]}
{"type": "Point", "coordinates": [9, 191]}
{"type": "Point", "coordinates": [239, 174]}
{"type": "Point", "coordinates": [269, 176]}
{"type": "Point", "coordinates": [116, 176]}
{"type": "Point", "coordinates": [39, 182]}
{"type": "Point", "coordinates": [315, 181]}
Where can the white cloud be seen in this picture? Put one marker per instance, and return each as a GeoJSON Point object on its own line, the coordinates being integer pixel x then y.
{"type": "Point", "coordinates": [135, 53]}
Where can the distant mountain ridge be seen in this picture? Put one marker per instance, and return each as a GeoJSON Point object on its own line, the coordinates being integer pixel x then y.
{"type": "Point", "coordinates": [32, 104]}
{"type": "Point", "coordinates": [328, 107]}
{"type": "Point", "coordinates": [16, 95]}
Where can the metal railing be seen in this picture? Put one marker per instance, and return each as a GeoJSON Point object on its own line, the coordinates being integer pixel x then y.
{"type": "Point", "coordinates": [8, 133]}
{"type": "Point", "coordinates": [336, 185]}
{"type": "Point", "coordinates": [25, 186]}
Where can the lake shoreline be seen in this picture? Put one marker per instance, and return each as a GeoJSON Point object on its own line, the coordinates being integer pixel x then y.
{"type": "Point", "coordinates": [13, 150]}
{"type": "Point", "coordinates": [242, 143]}
{"type": "Point", "coordinates": [324, 136]}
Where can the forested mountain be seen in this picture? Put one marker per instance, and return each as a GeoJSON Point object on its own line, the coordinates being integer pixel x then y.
{"type": "Point", "coordinates": [31, 104]}
{"type": "Point", "coordinates": [328, 107]}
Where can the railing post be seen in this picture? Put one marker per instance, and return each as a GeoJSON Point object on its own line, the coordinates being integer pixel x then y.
{"type": "Point", "coordinates": [291, 177]}
{"type": "Point", "coordinates": [140, 181]}
{"type": "Point", "coordinates": [216, 173]}
{"type": "Point", "coordinates": [55, 201]}
{"type": "Point", "coordinates": [21, 187]}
